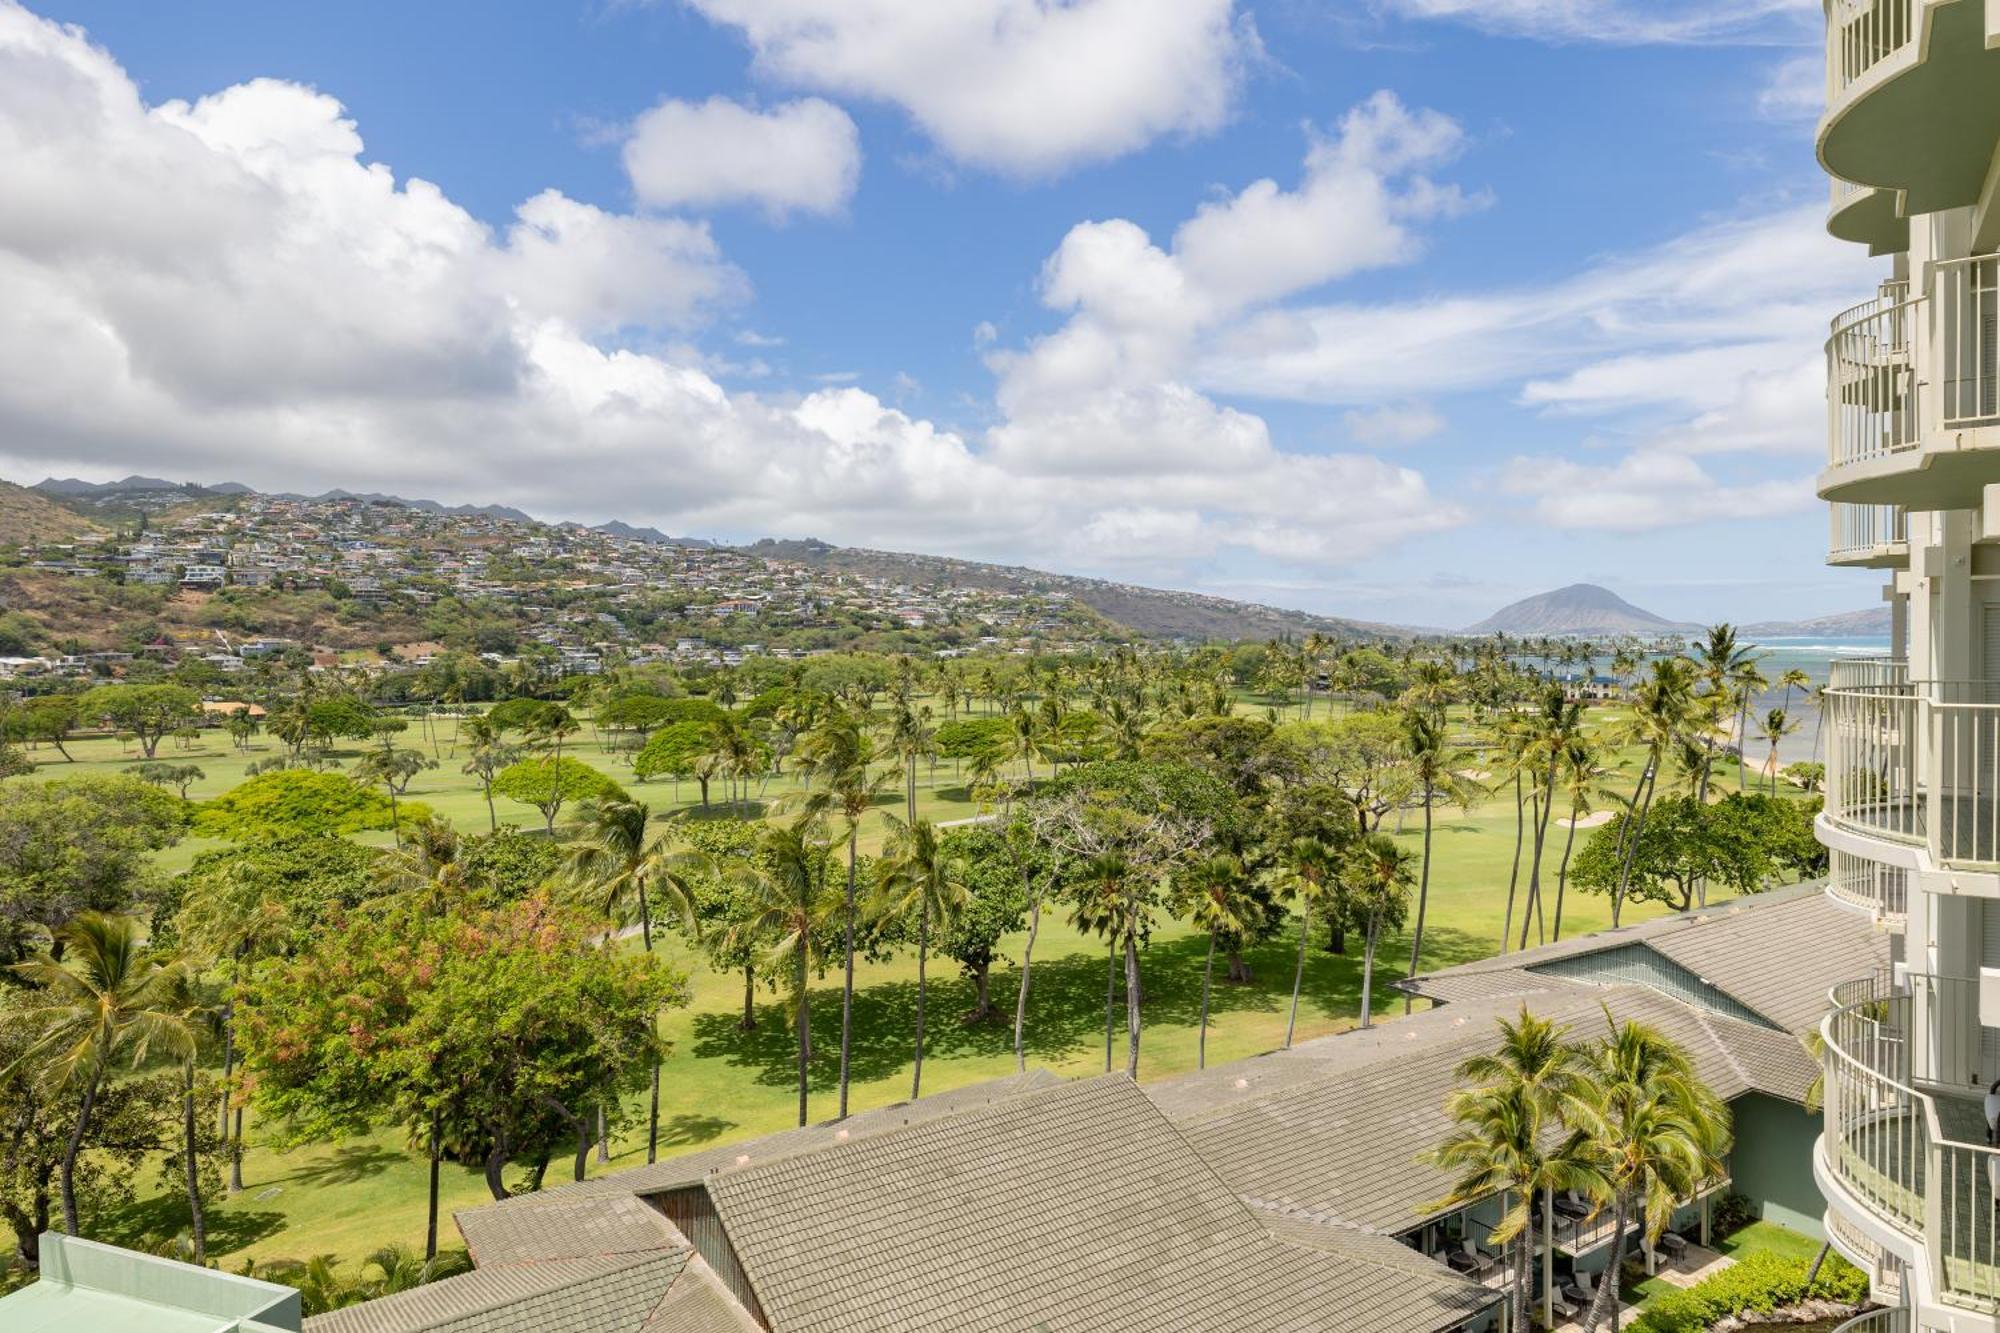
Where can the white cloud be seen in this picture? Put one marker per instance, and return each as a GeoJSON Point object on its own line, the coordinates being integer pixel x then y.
{"type": "Point", "coordinates": [1796, 89]}
{"type": "Point", "coordinates": [1393, 424]}
{"type": "Point", "coordinates": [1029, 87]}
{"type": "Point", "coordinates": [802, 156]}
{"type": "Point", "coordinates": [1618, 21]}
{"type": "Point", "coordinates": [223, 289]}
{"type": "Point", "coordinates": [1646, 489]}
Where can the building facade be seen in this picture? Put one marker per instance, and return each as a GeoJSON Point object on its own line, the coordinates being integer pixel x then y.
{"type": "Point", "coordinates": [1906, 1160]}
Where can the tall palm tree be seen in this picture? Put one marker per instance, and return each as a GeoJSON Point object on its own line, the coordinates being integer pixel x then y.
{"type": "Point", "coordinates": [1777, 725]}
{"type": "Point", "coordinates": [836, 758]}
{"type": "Point", "coordinates": [1554, 728]}
{"type": "Point", "coordinates": [1101, 883]}
{"type": "Point", "coordinates": [789, 904]}
{"type": "Point", "coordinates": [1663, 710]}
{"type": "Point", "coordinates": [1379, 873]}
{"type": "Point", "coordinates": [1221, 905]}
{"type": "Point", "coordinates": [921, 879]}
{"type": "Point", "coordinates": [611, 855]}
{"type": "Point", "coordinates": [107, 998]}
{"type": "Point", "coordinates": [1660, 1134]}
{"type": "Point", "coordinates": [1307, 872]}
{"type": "Point", "coordinates": [1580, 779]}
{"type": "Point", "coordinates": [1436, 768]}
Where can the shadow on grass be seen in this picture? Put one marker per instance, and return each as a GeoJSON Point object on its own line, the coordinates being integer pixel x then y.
{"type": "Point", "coordinates": [152, 1223]}
{"type": "Point", "coordinates": [346, 1165]}
{"type": "Point", "coordinates": [688, 1131]}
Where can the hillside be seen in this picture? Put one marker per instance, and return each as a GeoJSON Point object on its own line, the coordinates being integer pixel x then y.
{"type": "Point", "coordinates": [1581, 608]}
{"type": "Point", "coordinates": [1871, 621]}
{"type": "Point", "coordinates": [26, 516]}
{"type": "Point", "coordinates": [1152, 612]}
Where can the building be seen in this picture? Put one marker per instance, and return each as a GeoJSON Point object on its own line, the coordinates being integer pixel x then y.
{"type": "Point", "coordinates": [1911, 136]}
{"type": "Point", "coordinates": [85, 1287]}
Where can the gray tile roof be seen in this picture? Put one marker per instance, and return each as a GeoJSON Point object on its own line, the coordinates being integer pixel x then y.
{"type": "Point", "coordinates": [563, 1227]}
{"type": "Point", "coordinates": [1074, 1210]}
{"type": "Point", "coordinates": [1775, 953]}
{"type": "Point", "coordinates": [1336, 1128]}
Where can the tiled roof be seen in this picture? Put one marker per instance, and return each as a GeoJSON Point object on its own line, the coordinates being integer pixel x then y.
{"type": "Point", "coordinates": [560, 1227]}
{"type": "Point", "coordinates": [1075, 1210]}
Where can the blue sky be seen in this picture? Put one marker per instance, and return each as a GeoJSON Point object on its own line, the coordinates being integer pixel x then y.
{"type": "Point", "coordinates": [1398, 310]}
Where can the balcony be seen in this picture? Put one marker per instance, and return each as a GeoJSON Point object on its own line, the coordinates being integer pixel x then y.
{"type": "Point", "coordinates": [1878, 1321]}
{"type": "Point", "coordinates": [1869, 536]}
{"type": "Point", "coordinates": [1912, 99]}
{"type": "Point", "coordinates": [1852, 672]}
{"type": "Point", "coordinates": [1913, 392]}
{"type": "Point", "coordinates": [1878, 890]}
{"type": "Point", "coordinates": [1864, 215]}
{"type": "Point", "coordinates": [1905, 1148]}
{"type": "Point", "coordinates": [1918, 764]}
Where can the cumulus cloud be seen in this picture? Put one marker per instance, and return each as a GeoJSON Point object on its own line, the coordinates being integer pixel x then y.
{"type": "Point", "coordinates": [1618, 21]}
{"type": "Point", "coordinates": [225, 289]}
{"type": "Point", "coordinates": [1029, 87]}
{"type": "Point", "coordinates": [1393, 424]}
{"type": "Point", "coordinates": [802, 156]}
{"type": "Point", "coordinates": [1646, 489]}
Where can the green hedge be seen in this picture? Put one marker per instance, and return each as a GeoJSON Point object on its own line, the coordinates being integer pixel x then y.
{"type": "Point", "coordinates": [1759, 1282]}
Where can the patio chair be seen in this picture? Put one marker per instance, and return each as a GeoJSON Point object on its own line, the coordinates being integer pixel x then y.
{"type": "Point", "coordinates": [1572, 1207]}
{"type": "Point", "coordinates": [1672, 1244]}
{"type": "Point", "coordinates": [1578, 1289]}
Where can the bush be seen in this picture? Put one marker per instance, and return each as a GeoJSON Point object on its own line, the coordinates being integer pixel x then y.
{"type": "Point", "coordinates": [1759, 1282]}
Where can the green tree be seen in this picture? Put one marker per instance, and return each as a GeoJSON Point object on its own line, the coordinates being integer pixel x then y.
{"type": "Point", "coordinates": [78, 844]}
{"type": "Point", "coordinates": [1438, 770]}
{"type": "Point", "coordinates": [996, 906]}
{"type": "Point", "coordinates": [551, 782]}
{"type": "Point", "coordinates": [1217, 896]}
{"type": "Point", "coordinates": [1306, 872]}
{"type": "Point", "coordinates": [487, 757]}
{"type": "Point", "coordinates": [298, 801]}
{"type": "Point", "coordinates": [148, 712]}
{"type": "Point", "coordinates": [1378, 877]}
{"type": "Point", "coordinates": [789, 905]}
{"type": "Point", "coordinates": [924, 880]}
{"type": "Point", "coordinates": [45, 719]}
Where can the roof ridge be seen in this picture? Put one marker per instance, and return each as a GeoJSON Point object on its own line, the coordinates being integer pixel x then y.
{"type": "Point", "coordinates": [433, 1290]}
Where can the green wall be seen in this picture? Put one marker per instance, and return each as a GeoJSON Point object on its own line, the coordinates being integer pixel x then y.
{"type": "Point", "coordinates": [1772, 1162]}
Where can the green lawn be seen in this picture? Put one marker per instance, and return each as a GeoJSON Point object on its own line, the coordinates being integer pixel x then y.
{"type": "Point", "coordinates": [1749, 1239]}
{"type": "Point", "coordinates": [723, 1083]}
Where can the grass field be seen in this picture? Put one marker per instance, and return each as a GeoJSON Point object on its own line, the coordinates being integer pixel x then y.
{"type": "Point", "coordinates": [722, 1083]}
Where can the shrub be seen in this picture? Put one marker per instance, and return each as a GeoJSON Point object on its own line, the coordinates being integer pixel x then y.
{"type": "Point", "coordinates": [1760, 1283]}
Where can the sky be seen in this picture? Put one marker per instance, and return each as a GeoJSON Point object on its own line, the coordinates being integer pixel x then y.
{"type": "Point", "coordinates": [1393, 309]}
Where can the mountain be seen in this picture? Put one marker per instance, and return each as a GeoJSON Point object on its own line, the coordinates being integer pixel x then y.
{"type": "Point", "coordinates": [1153, 612]}
{"type": "Point", "coordinates": [378, 498]}
{"type": "Point", "coordinates": [26, 515]}
{"type": "Point", "coordinates": [620, 528]}
{"type": "Point", "coordinates": [72, 486]}
{"type": "Point", "coordinates": [1872, 621]}
{"type": "Point", "coordinates": [1581, 609]}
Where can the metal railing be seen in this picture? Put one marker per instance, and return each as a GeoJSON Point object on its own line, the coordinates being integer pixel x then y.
{"type": "Point", "coordinates": [1871, 387]}
{"type": "Point", "coordinates": [1918, 762]}
{"type": "Point", "coordinates": [1861, 34]}
{"type": "Point", "coordinates": [1885, 1116]}
{"type": "Point", "coordinates": [1851, 672]}
{"type": "Point", "coordinates": [1967, 293]}
{"type": "Point", "coordinates": [1880, 890]}
{"type": "Point", "coordinates": [1862, 530]}
{"type": "Point", "coordinates": [1891, 1320]}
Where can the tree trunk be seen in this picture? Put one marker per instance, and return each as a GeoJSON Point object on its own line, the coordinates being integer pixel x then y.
{"type": "Point", "coordinates": [1110, 997]}
{"type": "Point", "coordinates": [1027, 960]}
{"type": "Point", "coordinates": [1514, 876]}
{"type": "Point", "coordinates": [749, 1023]}
{"type": "Point", "coordinates": [1632, 848]}
{"type": "Point", "coordinates": [1132, 999]}
{"type": "Point", "coordinates": [847, 984]}
{"type": "Point", "coordinates": [1207, 974]}
{"type": "Point", "coordinates": [1368, 969]}
{"type": "Point", "coordinates": [1542, 810]}
{"type": "Point", "coordinates": [197, 1223]}
{"type": "Point", "coordinates": [1298, 981]}
{"type": "Point", "coordinates": [653, 1111]}
{"type": "Point", "coordinates": [492, 819]}
{"type": "Point", "coordinates": [431, 1215]}
{"type": "Point", "coordinates": [603, 1135]}
{"type": "Point", "coordinates": [496, 1159]}
{"type": "Point", "coordinates": [236, 1155]}
{"type": "Point", "coordinates": [1562, 872]}
{"type": "Point", "coordinates": [923, 953]}
{"type": "Point", "coordinates": [1605, 1299]}
{"type": "Point", "coordinates": [1423, 895]}
{"type": "Point", "coordinates": [804, 1021]}
{"type": "Point", "coordinates": [75, 1146]}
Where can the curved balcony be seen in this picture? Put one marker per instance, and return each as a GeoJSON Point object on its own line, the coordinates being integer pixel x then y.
{"type": "Point", "coordinates": [1905, 1134]}
{"type": "Point", "coordinates": [1867, 216]}
{"type": "Point", "coordinates": [1918, 764]}
{"type": "Point", "coordinates": [1850, 672]}
{"type": "Point", "coordinates": [1870, 887]}
{"type": "Point", "coordinates": [1869, 536]}
{"type": "Point", "coordinates": [1894, 1320]}
{"type": "Point", "coordinates": [1913, 392]}
{"type": "Point", "coordinates": [1912, 99]}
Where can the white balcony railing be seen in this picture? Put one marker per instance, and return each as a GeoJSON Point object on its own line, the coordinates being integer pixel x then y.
{"type": "Point", "coordinates": [1891, 1320]}
{"type": "Point", "coordinates": [1882, 891]}
{"type": "Point", "coordinates": [1918, 763]}
{"type": "Point", "coordinates": [1861, 34]}
{"type": "Point", "coordinates": [1871, 395]}
{"type": "Point", "coordinates": [1849, 672]}
{"type": "Point", "coordinates": [1966, 296]}
{"type": "Point", "coordinates": [1860, 531]}
{"type": "Point", "coordinates": [1904, 1144]}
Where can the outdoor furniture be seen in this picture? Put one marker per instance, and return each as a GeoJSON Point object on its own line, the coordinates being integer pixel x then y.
{"type": "Point", "coordinates": [1470, 1259]}
{"type": "Point", "coordinates": [1578, 1289]}
{"type": "Point", "coordinates": [1671, 1245]}
{"type": "Point", "coordinates": [1572, 1207]}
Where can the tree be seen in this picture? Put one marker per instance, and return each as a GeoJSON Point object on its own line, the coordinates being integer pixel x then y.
{"type": "Point", "coordinates": [1306, 872]}
{"type": "Point", "coordinates": [921, 879]}
{"type": "Point", "coordinates": [790, 906]}
{"type": "Point", "coordinates": [1686, 845]}
{"type": "Point", "coordinates": [1218, 899]}
{"type": "Point", "coordinates": [298, 801]}
{"type": "Point", "coordinates": [394, 768]}
{"type": "Point", "coordinates": [679, 751]}
{"type": "Point", "coordinates": [1437, 770]}
{"type": "Point", "coordinates": [551, 782]}
{"type": "Point", "coordinates": [148, 712]}
{"type": "Point", "coordinates": [996, 907]}
{"type": "Point", "coordinates": [78, 844]}
{"type": "Point", "coordinates": [1663, 710]}
{"type": "Point", "coordinates": [178, 776]}
{"type": "Point", "coordinates": [1660, 1134]}
{"type": "Point", "coordinates": [1777, 726]}
{"type": "Point", "coordinates": [108, 999]}
{"type": "Point", "coordinates": [1378, 876]}
{"type": "Point", "coordinates": [612, 857]}
{"type": "Point", "coordinates": [45, 719]}
{"type": "Point", "coordinates": [488, 756]}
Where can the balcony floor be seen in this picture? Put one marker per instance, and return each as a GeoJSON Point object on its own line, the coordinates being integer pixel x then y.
{"type": "Point", "coordinates": [1970, 1212]}
{"type": "Point", "coordinates": [1968, 829]}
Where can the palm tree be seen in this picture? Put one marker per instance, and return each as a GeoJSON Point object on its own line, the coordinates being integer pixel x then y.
{"type": "Point", "coordinates": [485, 757]}
{"type": "Point", "coordinates": [1510, 1138]}
{"type": "Point", "coordinates": [836, 759]}
{"type": "Point", "coordinates": [611, 855]}
{"type": "Point", "coordinates": [789, 904]}
{"type": "Point", "coordinates": [1659, 1132]}
{"type": "Point", "coordinates": [1557, 726]}
{"type": "Point", "coordinates": [1306, 874]}
{"type": "Point", "coordinates": [1101, 884]}
{"type": "Point", "coordinates": [1662, 710]}
{"type": "Point", "coordinates": [1580, 778]}
{"type": "Point", "coordinates": [1793, 679]}
{"type": "Point", "coordinates": [1435, 766]}
{"type": "Point", "coordinates": [1220, 904]}
{"type": "Point", "coordinates": [1777, 726]}
{"type": "Point", "coordinates": [1379, 876]}
{"type": "Point", "coordinates": [107, 998]}
{"type": "Point", "coordinates": [921, 879]}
